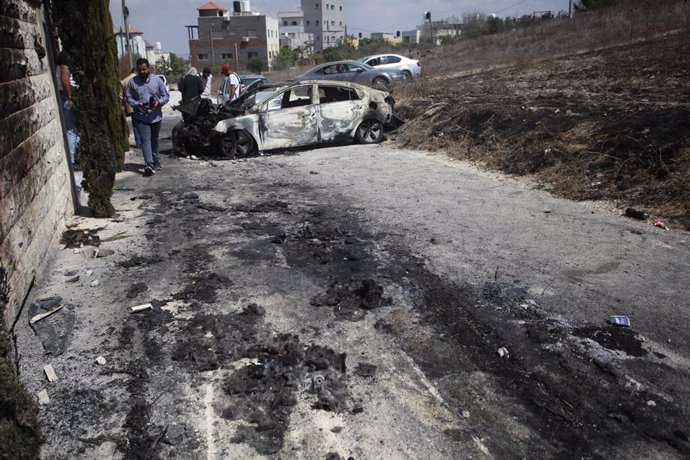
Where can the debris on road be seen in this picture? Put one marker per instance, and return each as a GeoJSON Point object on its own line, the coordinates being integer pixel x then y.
{"type": "Point", "coordinates": [50, 372]}
{"type": "Point", "coordinates": [659, 224]}
{"type": "Point", "coordinates": [503, 352]}
{"type": "Point", "coordinates": [138, 308]}
{"type": "Point", "coordinates": [94, 283]}
{"type": "Point", "coordinates": [619, 320]}
{"type": "Point", "coordinates": [636, 214]}
{"type": "Point", "coordinates": [45, 315]}
{"type": "Point", "coordinates": [100, 360]}
{"type": "Point", "coordinates": [43, 398]}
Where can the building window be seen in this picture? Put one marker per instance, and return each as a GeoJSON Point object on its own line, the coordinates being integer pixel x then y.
{"type": "Point", "coordinates": [307, 22]}
{"type": "Point", "coordinates": [294, 23]}
{"type": "Point", "coordinates": [341, 23]}
{"type": "Point", "coordinates": [341, 8]}
{"type": "Point", "coordinates": [202, 57]}
{"type": "Point", "coordinates": [332, 23]}
{"type": "Point", "coordinates": [252, 54]}
{"type": "Point", "coordinates": [317, 6]}
{"type": "Point", "coordinates": [317, 22]}
{"type": "Point", "coordinates": [332, 7]}
{"type": "Point", "coordinates": [226, 55]}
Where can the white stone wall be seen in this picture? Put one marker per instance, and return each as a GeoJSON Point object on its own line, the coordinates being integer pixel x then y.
{"type": "Point", "coordinates": [35, 187]}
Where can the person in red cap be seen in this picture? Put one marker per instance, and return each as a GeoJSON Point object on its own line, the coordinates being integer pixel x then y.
{"type": "Point", "coordinates": [230, 89]}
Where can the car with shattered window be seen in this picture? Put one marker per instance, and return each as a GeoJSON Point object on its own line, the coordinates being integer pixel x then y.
{"type": "Point", "coordinates": [356, 72]}
{"type": "Point", "coordinates": [300, 114]}
{"type": "Point", "coordinates": [409, 67]}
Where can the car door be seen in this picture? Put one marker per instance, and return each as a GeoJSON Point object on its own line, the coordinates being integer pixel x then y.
{"type": "Point", "coordinates": [340, 111]}
{"type": "Point", "coordinates": [350, 72]}
{"type": "Point", "coordinates": [289, 119]}
{"type": "Point", "coordinates": [390, 62]}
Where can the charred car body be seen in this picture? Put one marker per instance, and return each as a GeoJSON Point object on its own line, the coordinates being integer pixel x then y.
{"type": "Point", "coordinates": [300, 114]}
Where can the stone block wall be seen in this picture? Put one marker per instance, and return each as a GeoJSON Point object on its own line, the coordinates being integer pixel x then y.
{"type": "Point", "coordinates": [35, 179]}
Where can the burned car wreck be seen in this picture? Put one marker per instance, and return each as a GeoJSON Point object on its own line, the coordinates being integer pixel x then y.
{"type": "Point", "coordinates": [296, 115]}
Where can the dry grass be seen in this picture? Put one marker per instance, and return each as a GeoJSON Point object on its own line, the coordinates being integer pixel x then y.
{"type": "Point", "coordinates": [608, 123]}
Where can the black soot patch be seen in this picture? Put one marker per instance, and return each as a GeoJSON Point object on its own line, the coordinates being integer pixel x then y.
{"type": "Point", "coordinates": [350, 299]}
{"type": "Point", "coordinates": [264, 393]}
{"type": "Point", "coordinates": [613, 338]}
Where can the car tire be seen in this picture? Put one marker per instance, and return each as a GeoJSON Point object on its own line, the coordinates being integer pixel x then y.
{"type": "Point", "coordinates": [380, 83]}
{"type": "Point", "coordinates": [369, 132]}
{"type": "Point", "coordinates": [234, 144]}
{"type": "Point", "coordinates": [407, 74]}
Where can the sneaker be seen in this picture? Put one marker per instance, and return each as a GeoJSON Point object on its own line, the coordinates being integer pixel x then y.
{"type": "Point", "coordinates": [149, 171]}
{"type": "Point", "coordinates": [157, 165]}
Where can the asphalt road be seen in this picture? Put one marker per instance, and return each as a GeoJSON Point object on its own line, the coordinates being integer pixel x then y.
{"type": "Point", "coordinates": [365, 302]}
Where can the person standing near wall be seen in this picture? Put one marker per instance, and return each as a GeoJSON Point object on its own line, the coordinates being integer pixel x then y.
{"type": "Point", "coordinates": [146, 93]}
{"type": "Point", "coordinates": [128, 108]}
{"type": "Point", "coordinates": [190, 85]}
{"type": "Point", "coordinates": [65, 89]}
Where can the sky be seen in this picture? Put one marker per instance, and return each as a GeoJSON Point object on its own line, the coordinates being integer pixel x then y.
{"type": "Point", "coordinates": [165, 20]}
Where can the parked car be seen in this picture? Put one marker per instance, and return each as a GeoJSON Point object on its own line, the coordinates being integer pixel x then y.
{"type": "Point", "coordinates": [246, 80]}
{"type": "Point", "coordinates": [409, 67]}
{"type": "Point", "coordinates": [300, 114]}
{"type": "Point", "coordinates": [353, 71]}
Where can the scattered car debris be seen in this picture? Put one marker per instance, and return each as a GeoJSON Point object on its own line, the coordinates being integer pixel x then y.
{"type": "Point", "coordinates": [100, 360]}
{"type": "Point", "coordinates": [73, 280]}
{"type": "Point", "coordinates": [89, 272]}
{"type": "Point", "coordinates": [50, 372]}
{"type": "Point", "coordinates": [138, 308]}
{"type": "Point", "coordinates": [651, 403]}
{"type": "Point", "coordinates": [46, 314]}
{"type": "Point", "coordinates": [43, 398]}
{"type": "Point", "coordinates": [466, 414]}
{"type": "Point", "coordinates": [636, 214]}
{"type": "Point", "coordinates": [503, 352]}
{"type": "Point", "coordinates": [91, 252]}
{"type": "Point", "coordinates": [94, 283]}
{"type": "Point", "coordinates": [619, 320]}
{"type": "Point", "coordinates": [79, 238]}
{"type": "Point", "coordinates": [659, 224]}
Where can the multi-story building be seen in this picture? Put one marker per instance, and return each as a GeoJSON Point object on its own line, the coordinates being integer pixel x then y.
{"type": "Point", "coordinates": [139, 46]}
{"type": "Point", "coordinates": [233, 38]}
{"type": "Point", "coordinates": [326, 20]}
{"type": "Point", "coordinates": [292, 34]}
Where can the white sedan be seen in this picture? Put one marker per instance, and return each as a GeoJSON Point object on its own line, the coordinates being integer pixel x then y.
{"type": "Point", "coordinates": [409, 67]}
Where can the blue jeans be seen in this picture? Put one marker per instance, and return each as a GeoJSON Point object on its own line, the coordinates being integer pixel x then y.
{"type": "Point", "coordinates": [149, 140]}
{"type": "Point", "coordinates": [73, 137]}
{"type": "Point", "coordinates": [137, 136]}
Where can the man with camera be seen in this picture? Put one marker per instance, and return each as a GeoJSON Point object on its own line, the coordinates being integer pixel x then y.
{"type": "Point", "coordinates": [146, 93]}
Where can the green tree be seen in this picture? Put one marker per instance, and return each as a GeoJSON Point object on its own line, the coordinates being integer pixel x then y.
{"type": "Point", "coordinates": [286, 58]}
{"type": "Point", "coordinates": [255, 65]}
{"type": "Point", "coordinates": [91, 48]}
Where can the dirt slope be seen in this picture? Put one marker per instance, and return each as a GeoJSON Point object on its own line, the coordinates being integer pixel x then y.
{"type": "Point", "coordinates": [611, 124]}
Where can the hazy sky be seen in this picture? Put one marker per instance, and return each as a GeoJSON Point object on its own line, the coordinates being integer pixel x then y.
{"type": "Point", "coordinates": [165, 20]}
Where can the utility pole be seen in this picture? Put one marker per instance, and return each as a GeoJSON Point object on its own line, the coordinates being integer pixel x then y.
{"type": "Point", "coordinates": [210, 36]}
{"type": "Point", "coordinates": [427, 16]}
{"type": "Point", "coordinates": [570, 9]}
{"type": "Point", "coordinates": [128, 46]}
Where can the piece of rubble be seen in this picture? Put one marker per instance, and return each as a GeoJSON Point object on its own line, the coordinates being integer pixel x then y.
{"type": "Point", "coordinates": [43, 397]}
{"type": "Point", "coordinates": [651, 403]}
{"type": "Point", "coordinates": [619, 320]}
{"type": "Point", "coordinates": [503, 352]}
{"type": "Point", "coordinates": [50, 372]}
{"type": "Point", "coordinates": [466, 414]}
{"type": "Point", "coordinates": [94, 283]}
{"type": "Point", "coordinates": [100, 360]}
{"type": "Point", "coordinates": [40, 316]}
{"type": "Point", "coordinates": [138, 308]}
{"type": "Point", "coordinates": [89, 272]}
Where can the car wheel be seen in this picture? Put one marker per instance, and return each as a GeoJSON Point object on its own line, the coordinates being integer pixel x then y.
{"type": "Point", "coordinates": [234, 144]}
{"type": "Point", "coordinates": [369, 132]}
{"type": "Point", "coordinates": [380, 83]}
{"type": "Point", "coordinates": [407, 74]}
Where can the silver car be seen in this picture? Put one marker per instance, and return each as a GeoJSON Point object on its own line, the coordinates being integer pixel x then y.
{"type": "Point", "coordinates": [356, 72]}
{"type": "Point", "coordinates": [306, 113]}
{"type": "Point", "coordinates": [409, 67]}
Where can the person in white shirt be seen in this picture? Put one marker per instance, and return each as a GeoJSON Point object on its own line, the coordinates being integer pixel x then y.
{"type": "Point", "coordinates": [230, 89]}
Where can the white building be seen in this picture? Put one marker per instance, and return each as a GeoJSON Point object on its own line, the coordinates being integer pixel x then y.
{"type": "Point", "coordinates": [325, 19]}
{"type": "Point", "coordinates": [292, 34]}
{"type": "Point", "coordinates": [139, 46]}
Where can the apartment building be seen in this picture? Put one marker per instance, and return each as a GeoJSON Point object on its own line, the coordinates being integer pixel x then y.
{"type": "Point", "coordinates": [325, 19]}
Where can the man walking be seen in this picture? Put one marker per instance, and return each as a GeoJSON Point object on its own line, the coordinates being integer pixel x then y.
{"type": "Point", "coordinates": [230, 89]}
{"type": "Point", "coordinates": [146, 93]}
{"type": "Point", "coordinates": [65, 88]}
